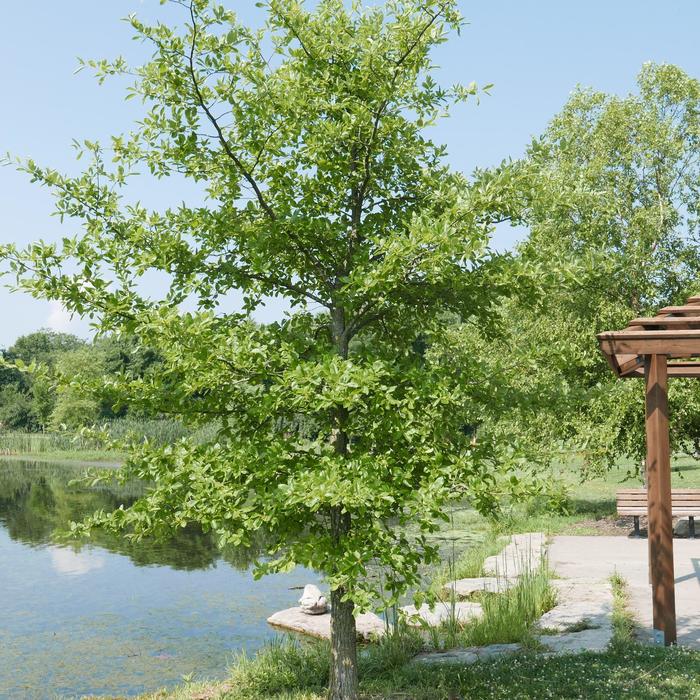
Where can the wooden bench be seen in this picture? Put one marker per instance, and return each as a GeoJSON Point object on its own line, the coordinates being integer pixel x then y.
{"type": "Point", "coordinates": [684, 502]}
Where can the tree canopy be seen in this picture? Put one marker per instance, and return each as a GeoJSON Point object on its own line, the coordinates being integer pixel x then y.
{"type": "Point", "coordinates": [346, 421]}
{"type": "Point", "coordinates": [609, 193]}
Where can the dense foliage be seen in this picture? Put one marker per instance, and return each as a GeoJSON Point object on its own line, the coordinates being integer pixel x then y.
{"type": "Point", "coordinates": [346, 422]}
{"type": "Point", "coordinates": [610, 195]}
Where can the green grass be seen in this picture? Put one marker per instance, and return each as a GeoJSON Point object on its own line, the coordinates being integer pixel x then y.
{"type": "Point", "coordinates": [44, 443]}
{"type": "Point", "coordinates": [55, 447]}
{"type": "Point", "coordinates": [288, 671]}
{"type": "Point", "coordinates": [622, 618]}
{"type": "Point", "coordinates": [507, 618]}
{"type": "Point", "coordinates": [74, 447]}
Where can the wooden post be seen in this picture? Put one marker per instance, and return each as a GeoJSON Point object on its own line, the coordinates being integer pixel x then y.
{"type": "Point", "coordinates": [659, 497]}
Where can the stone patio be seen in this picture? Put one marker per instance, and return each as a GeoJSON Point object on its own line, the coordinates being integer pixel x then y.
{"type": "Point", "coordinates": [595, 559]}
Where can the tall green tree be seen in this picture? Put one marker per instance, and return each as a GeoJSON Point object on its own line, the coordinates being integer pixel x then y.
{"type": "Point", "coordinates": [75, 408]}
{"type": "Point", "coordinates": [308, 138]}
{"type": "Point", "coordinates": [610, 193]}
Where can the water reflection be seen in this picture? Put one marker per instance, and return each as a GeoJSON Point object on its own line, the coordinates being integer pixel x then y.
{"type": "Point", "coordinates": [66, 561]}
{"type": "Point", "coordinates": [38, 499]}
{"type": "Point", "coordinates": [116, 617]}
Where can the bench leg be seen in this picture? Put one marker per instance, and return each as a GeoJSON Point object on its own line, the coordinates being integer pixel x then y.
{"type": "Point", "coordinates": [637, 532]}
{"type": "Point", "coordinates": [691, 527]}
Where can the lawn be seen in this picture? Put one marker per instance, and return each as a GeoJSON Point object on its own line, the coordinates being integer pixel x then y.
{"type": "Point", "coordinates": [633, 672]}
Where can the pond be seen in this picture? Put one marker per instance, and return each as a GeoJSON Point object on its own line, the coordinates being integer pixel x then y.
{"type": "Point", "coordinates": [116, 618]}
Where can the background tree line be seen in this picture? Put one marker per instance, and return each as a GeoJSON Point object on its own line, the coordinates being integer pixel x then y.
{"type": "Point", "coordinates": [33, 399]}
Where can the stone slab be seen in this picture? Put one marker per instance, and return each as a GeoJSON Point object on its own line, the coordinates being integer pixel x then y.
{"type": "Point", "coordinates": [468, 655]}
{"type": "Point", "coordinates": [523, 554]}
{"type": "Point", "coordinates": [598, 557]}
{"type": "Point", "coordinates": [577, 642]}
{"type": "Point", "coordinates": [467, 586]}
{"type": "Point", "coordinates": [441, 612]}
{"type": "Point", "coordinates": [579, 602]}
{"type": "Point", "coordinates": [293, 619]}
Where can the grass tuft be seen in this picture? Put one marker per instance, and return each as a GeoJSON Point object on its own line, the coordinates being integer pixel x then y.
{"type": "Point", "coordinates": [282, 666]}
{"type": "Point", "coordinates": [508, 617]}
{"type": "Point", "coordinates": [623, 622]}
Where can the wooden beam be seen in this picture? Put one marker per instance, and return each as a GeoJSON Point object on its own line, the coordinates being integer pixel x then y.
{"type": "Point", "coordinates": [660, 322]}
{"type": "Point", "coordinates": [675, 369]}
{"type": "Point", "coordinates": [677, 343]}
{"type": "Point", "coordinates": [689, 310]}
{"type": "Point", "coordinates": [629, 366]}
{"type": "Point", "coordinates": [658, 469]}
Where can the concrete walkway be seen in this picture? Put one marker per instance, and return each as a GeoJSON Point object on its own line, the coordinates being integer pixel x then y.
{"type": "Point", "coordinates": [596, 558]}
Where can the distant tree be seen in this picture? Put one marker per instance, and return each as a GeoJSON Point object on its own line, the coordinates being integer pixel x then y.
{"type": "Point", "coordinates": [74, 407]}
{"type": "Point", "coordinates": [43, 399]}
{"type": "Point", "coordinates": [322, 188]}
{"type": "Point", "coordinates": [124, 356]}
{"type": "Point", "coordinates": [44, 346]}
{"type": "Point", "coordinates": [16, 409]}
{"type": "Point", "coordinates": [32, 397]}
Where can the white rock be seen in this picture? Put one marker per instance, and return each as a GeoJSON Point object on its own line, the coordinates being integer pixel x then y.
{"type": "Point", "coordinates": [441, 612]}
{"type": "Point", "coordinates": [312, 601]}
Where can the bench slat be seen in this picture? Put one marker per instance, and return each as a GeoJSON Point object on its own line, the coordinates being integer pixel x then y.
{"type": "Point", "coordinates": [677, 499]}
{"type": "Point", "coordinates": [684, 502]}
{"type": "Point", "coordinates": [643, 491]}
{"type": "Point", "coordinates": [643, 511]}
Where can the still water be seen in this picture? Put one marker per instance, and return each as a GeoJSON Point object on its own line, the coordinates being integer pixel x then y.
{"type": "Point", "coordinates": [112, 617]}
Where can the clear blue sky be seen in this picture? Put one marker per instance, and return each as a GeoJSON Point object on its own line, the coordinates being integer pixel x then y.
{"type": "Point", "coordinates": [534, 51]}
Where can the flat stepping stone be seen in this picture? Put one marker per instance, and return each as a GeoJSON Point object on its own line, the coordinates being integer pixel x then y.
{"type": "Point", "coordinates": [563, 617]}
{"type": "Point", "coordinates": [293, 619]}
{"type": "Point", "coordinates": [523, 554]}
{"type": "Point", "coordinates": [579, 602]}
{"type": "Point", "coordinates": [467, 586]}
{"type": "Point", "coordinates": [441, 612]}
{"type": "Point", "coordinates": [577, 642]}
{"type": "Point", "coordinates": [468, 655]}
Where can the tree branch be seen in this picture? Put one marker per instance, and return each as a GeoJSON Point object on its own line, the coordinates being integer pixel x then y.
{"type": "Point", "coordinates": [214, 122]}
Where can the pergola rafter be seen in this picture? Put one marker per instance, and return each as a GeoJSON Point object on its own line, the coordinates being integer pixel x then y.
{"type": "Point", "coordinates": [656, 348]}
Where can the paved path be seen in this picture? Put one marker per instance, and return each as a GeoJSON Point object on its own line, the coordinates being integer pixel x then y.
{"type": "Point", "coordinates": [596, 558]}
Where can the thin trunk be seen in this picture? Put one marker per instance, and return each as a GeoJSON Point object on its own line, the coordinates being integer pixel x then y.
{"type": "Point", "coordinates": [343, 677]}
{"type": "Point", "coordinates": [343, 673]}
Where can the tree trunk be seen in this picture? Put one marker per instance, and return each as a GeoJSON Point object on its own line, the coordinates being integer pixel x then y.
{"type": "Point", "coordinates": [343, 673]}
{"type": "Point", "coordinates": [343, 679]}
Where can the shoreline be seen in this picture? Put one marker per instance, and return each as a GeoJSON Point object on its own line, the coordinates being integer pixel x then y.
{"type": "Point", "coordinates": [71, 459]}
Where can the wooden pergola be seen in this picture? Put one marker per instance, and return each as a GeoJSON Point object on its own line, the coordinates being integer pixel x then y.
{"type": "Point", "coordinates": [657, 348]}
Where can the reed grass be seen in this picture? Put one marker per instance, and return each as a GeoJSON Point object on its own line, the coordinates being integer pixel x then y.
{"type": "Point", "coordinates": [508, 617]}
{"type": "Point", "coordinates": [13, 443]}
{"type": "Point", "coordinates": [159, 431]}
